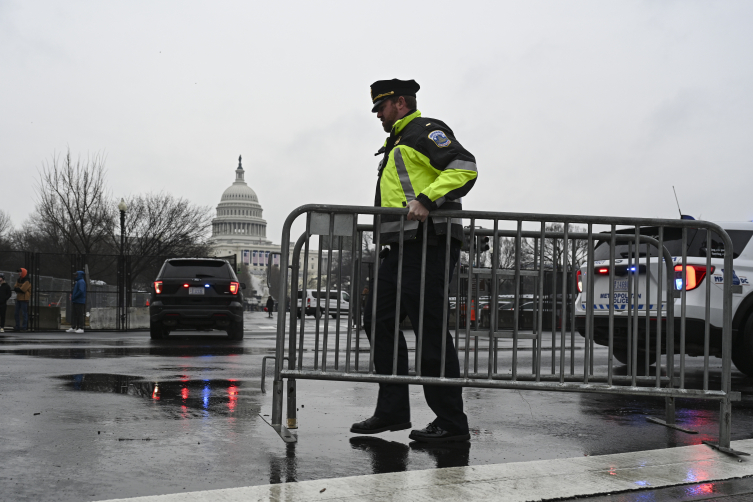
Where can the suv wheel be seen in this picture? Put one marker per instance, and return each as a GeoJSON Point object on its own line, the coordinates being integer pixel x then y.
{"type": "Point", "coordinates": [235, 331]}
{"type": "Point", "coordinates": [157, 331]}
{"type": "Point", "coordinates": [742, 348]}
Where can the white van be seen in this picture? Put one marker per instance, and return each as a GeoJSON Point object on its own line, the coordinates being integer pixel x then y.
{"type": "Point", "coordinates": [316, 306]}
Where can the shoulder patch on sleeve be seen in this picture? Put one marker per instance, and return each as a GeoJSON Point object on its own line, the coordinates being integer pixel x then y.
{"type": "Point", "coordinates": [439, 138]}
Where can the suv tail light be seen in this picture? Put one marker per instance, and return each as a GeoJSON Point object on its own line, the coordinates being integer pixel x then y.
{"type": "Point", "coordinates": [694, 275]}
{"type": "Point", "coordinates": [308, 302]}
{"type": "Point", "coordinates": [234, 287]}
{"type": "Point", "coordinates": [579, 279]}
{"type": "Point", "coordinates": [158, 287]}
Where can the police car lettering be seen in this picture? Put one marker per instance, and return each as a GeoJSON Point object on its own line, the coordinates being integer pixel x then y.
{"type": "Point", "coordinates": [439, 138]}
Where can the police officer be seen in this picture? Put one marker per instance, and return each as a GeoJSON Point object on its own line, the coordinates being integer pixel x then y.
{"type": "Point", "coordinates": [423, 168]}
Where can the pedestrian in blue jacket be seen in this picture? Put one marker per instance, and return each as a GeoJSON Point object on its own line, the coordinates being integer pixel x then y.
{"type": "Point", "coordinates": [78, 298]}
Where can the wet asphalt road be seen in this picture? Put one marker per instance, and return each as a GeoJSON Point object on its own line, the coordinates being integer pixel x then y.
{"type": "Point", "coordinates": [105, 415]}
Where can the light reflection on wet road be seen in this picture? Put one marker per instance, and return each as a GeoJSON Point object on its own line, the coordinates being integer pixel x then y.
{"type": "Point", "coordinates": [113, 415]}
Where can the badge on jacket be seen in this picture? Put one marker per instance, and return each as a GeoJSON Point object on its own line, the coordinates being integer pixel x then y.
{"type": "Point", "coordinates": [439, 138]}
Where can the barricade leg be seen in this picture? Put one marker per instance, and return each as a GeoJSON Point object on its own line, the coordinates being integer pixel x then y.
{"type": "Point", "coordinates": [292, 410]}
{"type": "Point", "coordinates": [725, 422]}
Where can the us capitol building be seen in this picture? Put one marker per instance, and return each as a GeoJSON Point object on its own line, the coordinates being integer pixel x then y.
{"type": "Point", "coordinates": [239, 229]}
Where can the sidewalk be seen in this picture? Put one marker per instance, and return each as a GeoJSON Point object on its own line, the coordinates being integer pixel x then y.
{"type": "Point", "coordinates": [521, 481]}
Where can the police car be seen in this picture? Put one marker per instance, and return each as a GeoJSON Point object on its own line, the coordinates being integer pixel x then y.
{"type": "Point", "coordinates": [696, 275]}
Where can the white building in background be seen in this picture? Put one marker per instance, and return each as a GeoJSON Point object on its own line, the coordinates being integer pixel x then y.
{"type": "Point", "coordinates": [239, 229]}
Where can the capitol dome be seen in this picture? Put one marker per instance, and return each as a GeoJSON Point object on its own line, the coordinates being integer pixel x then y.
{"type": "Point", "coordinates": [239, 214]}
{"type": "Point", "coordinates": [239, 191]}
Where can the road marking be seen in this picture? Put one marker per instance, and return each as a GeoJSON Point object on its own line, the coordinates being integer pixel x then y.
{"type": "Point", "coordinates": [520, 481]}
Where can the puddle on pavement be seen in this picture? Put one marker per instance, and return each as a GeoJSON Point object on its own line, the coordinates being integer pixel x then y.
{"type": "Point", "coordinates": [191, 398]}
{"type": "Point", "coordinates": [59, 341]}
{"type": "Point", "coordinates": [163, 350]}
{"type": "Point", "coordinates": [392, 456]}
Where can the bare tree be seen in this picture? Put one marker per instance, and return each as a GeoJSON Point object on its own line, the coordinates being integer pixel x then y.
{"type": "Point", "coordinates": [159, 225]}
{"type": "Point", "coordinates": [72, 202]}
{"type": "Point", "coordinates": [5, 224]}
{"type": "Point", "coordinates": [553, 248]}
{"type": "Point", "coordinates": [6, 230]}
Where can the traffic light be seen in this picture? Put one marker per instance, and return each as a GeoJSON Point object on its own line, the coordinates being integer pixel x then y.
{"type": "Point", "coordinates": [483, 244]}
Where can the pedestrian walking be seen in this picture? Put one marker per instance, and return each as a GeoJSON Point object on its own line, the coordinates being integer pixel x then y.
{"type": "Point", "coordinates": [423, 167]}
{"type": "Point", "coordinates": [78, 299]}
{"type": "Point", "coordinates": [5, 294]}
{"type": "Point", "coordinates": [22, 287]}
{"type": "Point", "coordinates": [270, 305]}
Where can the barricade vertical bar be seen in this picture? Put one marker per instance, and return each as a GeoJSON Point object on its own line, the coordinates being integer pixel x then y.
{"type": "Point", "coordinates": [377, 263]}
{"type": "Point", "coordinates": [458, 268]}
{"type": "Point", "coordinates": [292, 415]}
{"type": "Point", "coordinates": [517, 302]}
{"type": "Point", "coordinates": [339, 300]}
{"type": "Point", "coordinates": [683, 304]}
{"type": "Point", "coordinates": [325, 337]}
{"type": "Point", "coordinates": [540, 316]}
{"type": "Point", "coordinates": [359, 314]}
{"type": "Point", "coordinates": [468, 299]}
{"type": "Point", "coordinates": [636, 302]}
{"type": "Point", "coordinates": [535, 317]}
{"type": "Point", "coordinates": [278, 388]}
{"type": "Point", "coordinates": [294, 309]}
{"type": "Point", "coordinates": [494, 300]}
{"type": "Point", "coordinates": [647, 358]}
{"type": "Point", "coordinates": [707, 322]}
{"type": "Point", "coordinates": [574, 292]}
{"type": "Point", "coordinates": [446, 297]}
{"type": "Point", "coordinates": [611, 300]}
{"type": "Point", "coordinates": [292, 421]}
{"type": "Point", "coordinates": [318, 309]}
{"type": "Point", "coordinates": [589, 305]}
{"type": "Point", "coordinates": [553, 300]}
{"type": "Point", "coordinates": [563, 315]}
{"type": "Point", "coordinates": [593, 307]}
{"type": "Point", "coordinates": [725, 415]}
{"type": "Point", "coordinates": [629, 347]}
{"type": "Point", "coordinates": [659, 310]}
{"type": "Point", "coordinates": [355, 247]}
{"type": "Point", "coordinates": [304, 287]}
{"type": "Point", "coordinates": [398, 294]}
{"type": "Point", "coordinates": [669, 405]}
{"type": "Point", "coordinates": [422, 299]}
{"type": "Point", "coordinates": [476, 308]}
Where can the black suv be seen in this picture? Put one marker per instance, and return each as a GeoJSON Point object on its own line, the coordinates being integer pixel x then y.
{"type": "Point", "coordinates": [196, 293]}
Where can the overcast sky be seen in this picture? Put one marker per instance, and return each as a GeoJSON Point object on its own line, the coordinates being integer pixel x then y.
{"type": "Point", "coordinates": [587, 107]}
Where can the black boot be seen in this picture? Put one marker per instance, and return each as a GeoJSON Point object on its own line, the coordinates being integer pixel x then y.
{"type": "Point", "coordinates": [375, 425]}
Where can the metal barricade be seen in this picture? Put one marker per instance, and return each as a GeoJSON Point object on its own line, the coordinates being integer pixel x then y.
{"type": "Point", "coordinates": [549, 263]}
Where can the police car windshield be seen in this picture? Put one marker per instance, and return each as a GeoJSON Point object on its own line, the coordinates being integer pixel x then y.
{"type": "Point", "coordinates": [696, 243]}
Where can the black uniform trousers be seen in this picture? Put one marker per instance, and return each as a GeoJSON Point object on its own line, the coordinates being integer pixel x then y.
{"type": "Point", "coordinates": [393, 403]}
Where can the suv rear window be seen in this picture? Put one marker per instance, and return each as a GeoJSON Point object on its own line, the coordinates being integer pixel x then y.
{"type": "Point", "coordinates": [180, 269]}
{"type": "Point", "coordinates": [696, 246]}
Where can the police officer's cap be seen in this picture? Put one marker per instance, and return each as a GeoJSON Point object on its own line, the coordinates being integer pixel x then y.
{"type": "Point", "coordinates": [383, 89]}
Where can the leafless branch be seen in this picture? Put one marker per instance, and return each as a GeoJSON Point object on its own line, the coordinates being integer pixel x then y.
{"type": "Point", "coordinates": [72, 201]}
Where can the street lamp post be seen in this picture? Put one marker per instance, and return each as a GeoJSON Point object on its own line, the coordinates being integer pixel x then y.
{"type": "Point", "coordinates": [122, 289]}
